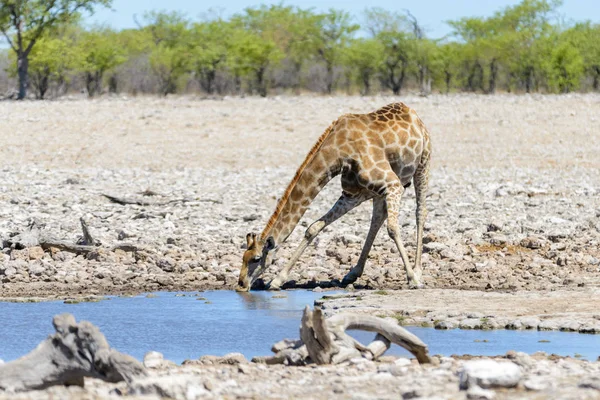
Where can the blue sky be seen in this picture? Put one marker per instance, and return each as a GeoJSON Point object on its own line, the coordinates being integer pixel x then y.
{"type": "Point", "coordinates": [430, 13]}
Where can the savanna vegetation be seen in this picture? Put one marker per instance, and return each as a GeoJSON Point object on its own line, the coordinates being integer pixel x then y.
{"type": "Point", "coordinates": [273, 49]}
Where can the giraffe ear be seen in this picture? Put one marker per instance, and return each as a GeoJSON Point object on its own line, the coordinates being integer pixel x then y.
{"type": "Point", "coordinates": [269, 244]}
{"type": "Point", "coordinates": [250, 240]}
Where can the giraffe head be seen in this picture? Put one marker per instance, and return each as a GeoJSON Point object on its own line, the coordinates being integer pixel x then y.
{"type": "Point", "coordinates": [254, 260]}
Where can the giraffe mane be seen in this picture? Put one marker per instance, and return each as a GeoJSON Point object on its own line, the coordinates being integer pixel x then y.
{"type": "Point", "coordinates": [286, 195]}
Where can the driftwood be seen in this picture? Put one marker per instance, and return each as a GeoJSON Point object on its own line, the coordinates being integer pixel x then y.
{"type": "Point", "coordinates": [75, 351]}
{"type": "Point", "coordinates": [325, 341]}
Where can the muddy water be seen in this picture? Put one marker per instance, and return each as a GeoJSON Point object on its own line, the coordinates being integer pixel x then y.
{"type": "Point", "coordinates": [189, 325]}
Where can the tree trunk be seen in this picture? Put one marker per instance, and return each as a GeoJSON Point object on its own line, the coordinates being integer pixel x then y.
{"type": "Point", "coordinates": [297, 77]}
{"type": "Point", "coordinates": [23, 72]}
{"type": "Point", "coordinates": [93, 82]}
{"type": "Point", "coordinates": [329, 78]}
{"type": "Point", "coordinates": [260, 82]}
{"type": "Point", "coordinates": [40, 81]}
{"type": "Point", "coordinates": [475, 79]}
{"type": "Point", "coordinates": [207, 80]}
{"type": "Point", "coordinates": [113, 84]}
{"type": "Point", "coordinates": [528, 79]}
{"type": "Point", "coordinates": [366, 79]}
{"type": "Point", "coordinates": [424, 80]}
{"type": "Point", "coordinates": [493, 76]}
{"type": "Point", "coordinates": [448, 79]}
{"type": "Point", "coordinates": [596, 82]}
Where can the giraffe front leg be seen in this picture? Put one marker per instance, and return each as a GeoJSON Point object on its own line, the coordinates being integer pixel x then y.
{"type": "Point", "coordinates": [393, 199]}
{"type": "Point", "coordinates": [309, 236]}
{"type": "Point", "coordinates": [344, 204]}
{"type": "Point", "coordinates": [379, 214]}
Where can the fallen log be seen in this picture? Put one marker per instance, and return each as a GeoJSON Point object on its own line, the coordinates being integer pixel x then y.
{"type": "Point", "coordinates": [325, 341]}
{"type": "Point", "coordinates": [74, 352]}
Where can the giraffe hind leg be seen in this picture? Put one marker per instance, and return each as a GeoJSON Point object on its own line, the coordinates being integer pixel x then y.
{"type": "Point", "coordinates": [394, 192]}
{"type": "Point", "coordinates": [421, 179]}
{"type": "Point", "coordinates": [379, 215]}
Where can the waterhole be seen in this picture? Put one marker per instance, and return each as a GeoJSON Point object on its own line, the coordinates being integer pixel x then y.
{"type": "Point", "coordinates": [190, 325]}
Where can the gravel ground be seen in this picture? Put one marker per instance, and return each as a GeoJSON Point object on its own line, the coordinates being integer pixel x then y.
{"type": "Point", "coordinates": [513, 200]}
{"type": "Point", "coordinates": [533, 377]}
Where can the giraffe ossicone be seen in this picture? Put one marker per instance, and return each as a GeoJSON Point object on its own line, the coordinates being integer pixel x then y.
{"type": "Point", "coordinates": [378, 155]}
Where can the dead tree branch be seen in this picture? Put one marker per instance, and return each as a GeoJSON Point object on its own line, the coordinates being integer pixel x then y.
{"type": "Point", "coordinates": [35, 237]}
{"type": "Point", "coordinates": [141, 202]}
{"type": "Point", "coordinates": [326, 341]}
{"type": "Point", "coordinates": [87, 239]}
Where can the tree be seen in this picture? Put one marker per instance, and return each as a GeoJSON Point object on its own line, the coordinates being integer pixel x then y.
{"type": "Point", "coordinates": [526, 27]}
{"type": "Point", "coordinates": [99, 51]}
{"type": "Point", "coordinates": [585, 37]}
{"type": "Point", "coordinates": [209, 49]}
{"type": "Point", "coordinates": [335, 31]}
{"type": "Point", "coordinates": [22, 22]}
{"type": "Point", "coordinates": [398, 37]}
{"type": "Point", "coordinates": [364, 57]}
{"type": "Point", "coordinates": [51, 60]}
{"type": "Point", "coordinates": [397, 53]}
{"type": "Point", "coordinates": [564, 66]}
{"type": "Point", "coordinates": [251, 55]}
{"type": "Point", "coordinates": [294, 32]}
{"type": "Point", "coordinates": [170, 56]}
{"type": "Point", "coordinates": [447, 62]}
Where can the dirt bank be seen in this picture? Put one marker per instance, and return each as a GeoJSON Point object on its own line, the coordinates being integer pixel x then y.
{"type": "Point", "coordinates": [566, 310]}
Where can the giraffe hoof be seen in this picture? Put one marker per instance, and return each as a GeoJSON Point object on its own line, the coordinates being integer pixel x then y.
{"type": "Point", "coordinates": [274, 285]}
{"type": "Point", "coordinates": [348, 280]}
{"type": "Point", "coordinates": [415, 285]}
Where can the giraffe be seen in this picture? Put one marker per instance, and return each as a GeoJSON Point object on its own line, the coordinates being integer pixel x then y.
{"type": "Point", "coordinates": [377, 155]}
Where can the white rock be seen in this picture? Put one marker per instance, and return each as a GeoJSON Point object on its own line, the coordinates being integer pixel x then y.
{"type": "Point", "coordinates": [402, 362]}
{"type": "Point", "coordinates": [480, 394]}
{"type": "Point", "coordinates": [185, 386]}
{"type": "Point", "coordinates": [489, 374]}
{"type": "Point", "coordinates": [358, 361]}
{"type": "Point", "coordinates": [537, 383]}
{"type": "Point", "coordinates": [153, 359]}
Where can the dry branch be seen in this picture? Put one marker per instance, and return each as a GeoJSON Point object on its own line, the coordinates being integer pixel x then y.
{"type": "Point", "coordinates": [75, 351]}
{"type": "Point", "coordinates": [326, 341]}
{"type": "Point", "coordinates": [35, 237]}
{"type": "Point", "coordinates": [141, 202]}
{"type": "Point", "coordinates": [87, 239]}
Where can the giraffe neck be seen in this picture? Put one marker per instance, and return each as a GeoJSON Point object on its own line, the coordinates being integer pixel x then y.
{"type": "Point", "coordinates": [314, 173]}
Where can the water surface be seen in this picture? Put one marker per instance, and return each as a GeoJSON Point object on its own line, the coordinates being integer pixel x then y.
{"type": "Point", "coordinates": [189, 325]}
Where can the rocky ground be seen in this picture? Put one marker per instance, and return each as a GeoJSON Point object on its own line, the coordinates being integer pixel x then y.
{"type": "Point", "coordinates": [513, 200]}
{"type": "Point", "coordinates": [512, 376]}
